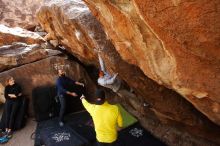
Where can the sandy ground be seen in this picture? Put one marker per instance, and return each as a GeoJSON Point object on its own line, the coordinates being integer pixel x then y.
{"type": "Point", "coordinates": [23, 136]}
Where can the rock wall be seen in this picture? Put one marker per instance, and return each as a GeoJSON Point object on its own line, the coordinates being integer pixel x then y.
{"type": "Point", "coordinates": [8, 35]}
{"type": "Point", "coordinates": [18, 54]}
{"type": "Point", "coordinates": [68, 31]}
{"type": "Point", "coordinates": [19, 12]}
{"type": "Point", "coordinates": [19, 46]}
{"type": "Point", "coordinates": [44, 73]}
{"type": "Point", "coordinates": [171, 117]}
{"type": "Point", "coordinates": [175, 43]}
{"type": "Point", "coordinates": [26, 56]}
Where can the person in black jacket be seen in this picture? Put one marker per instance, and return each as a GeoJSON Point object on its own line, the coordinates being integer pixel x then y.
{"type": "Point", "coordinates": [12, 96]}
{"type": "Point", "coordinates": [64, 85]}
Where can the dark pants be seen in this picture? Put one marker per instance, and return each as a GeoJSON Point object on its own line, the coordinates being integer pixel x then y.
{"type": "Point", "coordinates": [106, 144]}
{"type": "Point", "coordinates": [62, 107]}
{"type": "Point", "coordinates": [11, 110]}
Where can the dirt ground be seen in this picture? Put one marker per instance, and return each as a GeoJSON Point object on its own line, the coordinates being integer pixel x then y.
{"type": "Point", "coordinates": [23, 136]}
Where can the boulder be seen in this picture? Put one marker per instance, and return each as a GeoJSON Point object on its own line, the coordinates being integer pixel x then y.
{"type": "Point", "coordinates": [175, 43]}
{"type": "Point", "coordinates": [44, 73]}
{"type": "Point", "coordinates": [40, 31]}
{"type": "Point", "coordinates": [68, 29]}
{"type": "Point", "coordinates": [18, 54]}
{"type": "Point", "coordinates": [9, 35]}
{"type": "Point", "coordinates": [19, 13]}
{"type": "Point", "coordinates": [171, 118]}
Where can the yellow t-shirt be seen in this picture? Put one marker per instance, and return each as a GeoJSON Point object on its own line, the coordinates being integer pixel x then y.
{"type": "Point", "coordinates": [106, 118]}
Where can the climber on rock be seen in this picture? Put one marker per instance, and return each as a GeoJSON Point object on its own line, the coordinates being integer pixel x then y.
{"type": "Point", "coordinates": [107, 80]}
{"type": "Point", "coordinates": [114, 82]}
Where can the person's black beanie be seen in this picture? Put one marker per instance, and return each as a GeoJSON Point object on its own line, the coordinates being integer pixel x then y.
{"type": "Point", "coordinates": [100, 94]}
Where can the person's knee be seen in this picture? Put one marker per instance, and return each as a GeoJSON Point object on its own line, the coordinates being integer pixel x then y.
{"type": "Point", "coordinates": [62, 104]}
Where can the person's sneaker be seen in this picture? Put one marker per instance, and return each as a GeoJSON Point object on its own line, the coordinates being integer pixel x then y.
{"type": "Point", "coordinates": [3, 139]}
{"type": "Point", "coordinates": [9, 134]}
{"type": "Point", "coordinates": [61, 124]}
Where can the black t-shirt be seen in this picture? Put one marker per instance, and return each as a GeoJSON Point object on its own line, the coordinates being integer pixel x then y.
{"type": "Point", "coordinates": [12, 89]}
{"type": "Point", "coordinates": [64, 84]}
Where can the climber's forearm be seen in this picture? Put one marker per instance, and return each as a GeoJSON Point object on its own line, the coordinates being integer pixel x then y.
{"type": "Point", "coordinates": [102, 64]}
